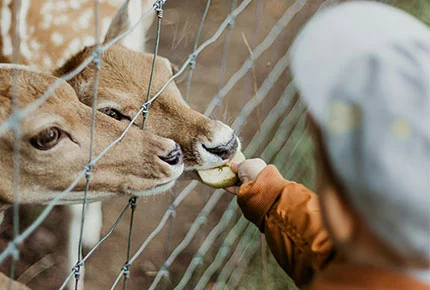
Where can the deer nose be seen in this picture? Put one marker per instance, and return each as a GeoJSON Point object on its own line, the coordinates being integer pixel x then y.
{"type": "Point", "coordinates": [174, 157]}
{"type": "Point", "coordinates": [224, 151]}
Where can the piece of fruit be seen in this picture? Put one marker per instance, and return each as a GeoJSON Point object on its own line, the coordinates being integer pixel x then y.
{"type": "Point", "coordinates": [223, 176]}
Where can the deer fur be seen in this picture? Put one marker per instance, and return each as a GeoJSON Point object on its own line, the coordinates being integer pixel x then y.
{"type": "Point", "coordinates": [6, 281]}
{"type": "Point", "coordinates": [132, 167]}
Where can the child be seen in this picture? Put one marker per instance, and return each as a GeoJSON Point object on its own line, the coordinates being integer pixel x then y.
{"type": "Point", "coordinates": [363, 69]}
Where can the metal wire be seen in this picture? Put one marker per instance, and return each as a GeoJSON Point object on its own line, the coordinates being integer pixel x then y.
{"type": "Point", "coordinates": [196, 43]}
{"type": "Point", "coordinates": [275, 114]}
{"type": "Point", "coordinates": [250, 234]}
{"type": "Point", "coordinates": [88, 173]}
{"type": "Point", "coordinates": [16, 135]}
{"type": "Point", "coordinates": [216, 231]}
{"type": "Point", "coordinates": [224, 59]}
{"type": "Point", "coordinates": [133, 203]}
{"type": "Point", "coordinates": [223, 251]}
{"type": "Point", "coordinates": [263, 46]}
{"type": "Point", "coordinates": [200, 220]}
{"type": "Point", "coordinates": [113, 227]}
{"type": "Point", "coordinates": [158, 6]}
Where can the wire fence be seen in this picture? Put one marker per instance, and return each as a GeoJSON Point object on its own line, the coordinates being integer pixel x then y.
{"type": "Point", "coordinates": [284, 132]}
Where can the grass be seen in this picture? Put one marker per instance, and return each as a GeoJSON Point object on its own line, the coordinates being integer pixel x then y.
{"type": "Point", "coordinates": [419, 8]}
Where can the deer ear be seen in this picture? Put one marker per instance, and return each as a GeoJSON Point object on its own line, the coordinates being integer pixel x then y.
{"type": "Point", "coordinates": [120, 23]}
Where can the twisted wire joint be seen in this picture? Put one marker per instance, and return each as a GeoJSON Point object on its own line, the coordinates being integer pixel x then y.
{"type": "Point", "coordinates": [97, 57]}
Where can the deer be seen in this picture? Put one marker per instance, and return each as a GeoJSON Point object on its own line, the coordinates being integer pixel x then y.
{"type": "Point", "coordinates": [123, 79]}
{"type": "Point", "coordinates": [55, 143]}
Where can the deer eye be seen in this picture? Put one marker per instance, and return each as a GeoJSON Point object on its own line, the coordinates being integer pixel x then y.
{"type": "Point", "coordinates": [113, 113]}
{"type": "Point", "coordinates": [47, 138]}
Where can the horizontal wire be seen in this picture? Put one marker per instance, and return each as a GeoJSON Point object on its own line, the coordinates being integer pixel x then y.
{"type": "Point", "coordinates": [277, 29]}
{"type": "Point", "coordinates": [89, 254]}
{"type": "Point", "coordinates": [207, 243]}
{"type": "Point", "coordinates": [249, 234]}
{"type": "Point", "coordinates": [223, 251]}
{"type": "Point", "coordinates": [200, 220]}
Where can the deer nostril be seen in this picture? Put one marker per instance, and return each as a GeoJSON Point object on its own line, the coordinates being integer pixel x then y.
{"type": "Point", "coordinates": [174, 157]}
{"type": "Point", "coordinates": [225, 151]}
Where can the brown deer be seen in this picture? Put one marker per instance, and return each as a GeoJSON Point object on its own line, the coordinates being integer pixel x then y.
{"type": "Point", "coordinates": [123, 82]}
{"type": "Point", "coordinates": [55, 147]}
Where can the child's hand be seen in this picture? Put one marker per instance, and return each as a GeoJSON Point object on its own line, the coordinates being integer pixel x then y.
{"type": "Point", "coordinates": [247, 171]}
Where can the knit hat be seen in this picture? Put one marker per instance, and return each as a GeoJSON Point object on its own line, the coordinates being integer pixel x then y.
{"type": "Point", "coordinates": [363, 69]}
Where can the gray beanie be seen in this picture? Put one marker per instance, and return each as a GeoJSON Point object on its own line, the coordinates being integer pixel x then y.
{"type": "Point", "coordinates": [363, 69]}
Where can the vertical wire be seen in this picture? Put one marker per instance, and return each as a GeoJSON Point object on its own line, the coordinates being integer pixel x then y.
{"type": "Point", "coordinates": [190, 76]}
{"type": "Point", "coordinates": [132, 201]}
{"type": "Point", "coordinates": [196, 43]}
{"type": "Point", "coordinates": [227, 40]}
{"type": "Point", "coordinates": [16, 7]}
{"type": "Point", "coordinates": [88, 173]}
{"type": "Point", "coordinates": [158, 6]}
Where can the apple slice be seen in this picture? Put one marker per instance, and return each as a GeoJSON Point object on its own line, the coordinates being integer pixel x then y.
{"type": "Point", "coordinates": [223, 176]}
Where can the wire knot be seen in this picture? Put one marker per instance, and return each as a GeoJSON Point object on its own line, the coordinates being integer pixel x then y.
{"type": "Point", "coordinates": [12, 248]}
{"type": "Point", "coordinates": [125, 270]}
{"type": "Point", "coordinates": [97, 57]}
{"type": "Point", "coordinates": [172, 210]}
{"type": "Point", "coordinates": [77, 271]}
{"type": "Point", "coordinates": [231, 19]}
{"type": "Point", "coordinates": [133, 203]}
{"type": "Point", "coordinates": [88, 172]}
{"type": "Point", "coordinates": [165, 270]}
{"type": "Point", "coordinates": [202, 219]}
{"type": "Point", "coordinates": [192, 62]}
{"type": "Point", "coordinates": [198, 258]}
{"type": "Point", "coordinates": [158, 7]}
{"type": "Point", "coordinates": [145, 109]}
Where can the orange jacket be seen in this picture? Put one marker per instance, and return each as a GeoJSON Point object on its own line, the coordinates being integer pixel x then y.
{"type": "Point", "coordinates": [289, 215]}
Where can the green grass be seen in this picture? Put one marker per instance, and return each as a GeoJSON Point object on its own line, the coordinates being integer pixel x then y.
{"type": "Point", "coordinates": [418, 8]}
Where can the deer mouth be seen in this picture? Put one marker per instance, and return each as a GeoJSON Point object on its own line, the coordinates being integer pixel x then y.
{"type": "Point", "coordinates": [217, 155]}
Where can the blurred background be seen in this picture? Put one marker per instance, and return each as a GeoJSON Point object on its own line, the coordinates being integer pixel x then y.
{"type": "Point", "coordinates": [271, 124]}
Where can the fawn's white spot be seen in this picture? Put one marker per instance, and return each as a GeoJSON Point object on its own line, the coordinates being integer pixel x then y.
{"type": "Point", "coordinates": [57, 38]}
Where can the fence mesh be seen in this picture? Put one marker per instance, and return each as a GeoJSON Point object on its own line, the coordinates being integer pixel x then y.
{"type": "Point", "coordinates": [280, 139]}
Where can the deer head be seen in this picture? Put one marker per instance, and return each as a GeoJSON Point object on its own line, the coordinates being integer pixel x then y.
{"type": "Point", "coordinates": [123, 87]}
{"type": "Point", "coordinates": [55, 146]}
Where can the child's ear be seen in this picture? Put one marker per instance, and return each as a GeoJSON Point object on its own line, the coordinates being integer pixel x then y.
{"type": "Point", "coordinates": [120, 23]}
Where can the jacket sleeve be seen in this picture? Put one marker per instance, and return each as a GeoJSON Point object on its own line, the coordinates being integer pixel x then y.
{"type": "Point", "coordinates": [289, 215]}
